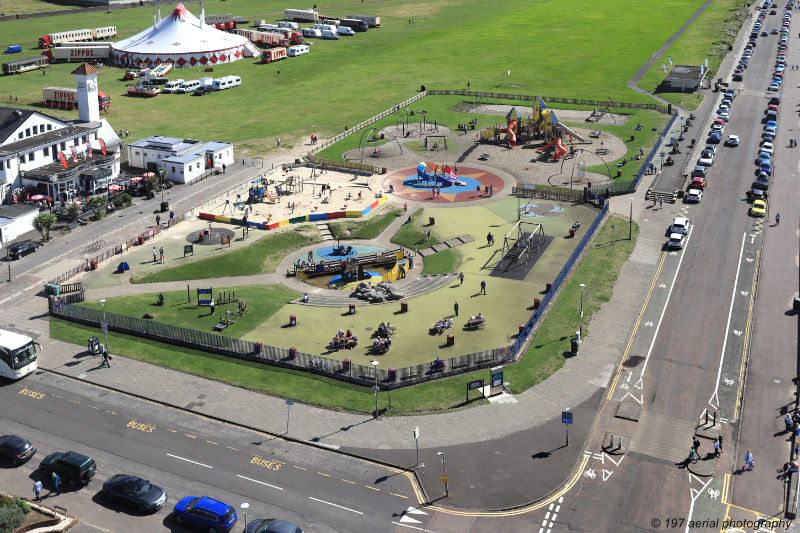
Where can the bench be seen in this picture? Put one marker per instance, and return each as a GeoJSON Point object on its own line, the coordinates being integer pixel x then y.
{"type": "Point", "coordinates": [475, 323]}
{"type": "Point", "coordinates": [220, 326]}
{"type": "Point", "coordinates": [601, 151]}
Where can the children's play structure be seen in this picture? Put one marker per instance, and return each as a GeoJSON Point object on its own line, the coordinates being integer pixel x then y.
{"type": "Point", "coordinates": [344, 272]}
{"type": "Point", "coordinates": [521, 242]}
{"type": "Point", "coordinates": [544, 125]}
{"type": "Point", "coordinates": [433, 174]}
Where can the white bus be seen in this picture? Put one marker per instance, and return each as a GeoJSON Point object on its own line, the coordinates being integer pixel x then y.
{"type": "Point", "coordinates": [17, 355]}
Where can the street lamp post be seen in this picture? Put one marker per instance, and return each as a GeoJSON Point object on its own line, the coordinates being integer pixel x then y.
{"type": "Point", "coordinates": [105, 328]}
{"type": "Point", "coordinates": [662, 161]}
{"type": "Point", "coordinates": [580, 328]}
{"type": "Point", "coordinates": [630, 220]}
{"type": "Point", "coordinates": [375, 364]}
{"type": "Point", "coordinates": [244, 506]}
{"type": "Point", "coordinates": [444, 473]}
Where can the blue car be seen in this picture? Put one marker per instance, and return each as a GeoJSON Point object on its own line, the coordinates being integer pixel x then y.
{"type": "Point", "coordinates": [205, 512]}
{"type": "Point", "coordinates": [765, 168]}
{"type": "Point", "coordinates": [714, 138]}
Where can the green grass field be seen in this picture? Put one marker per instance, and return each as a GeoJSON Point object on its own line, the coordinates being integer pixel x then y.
{"type": "Point", "coordinates": [368, 228]}
{"type": "Point", "coordinates": [7, 7]}
{"type": "Point", "coordinates": [584, 45]}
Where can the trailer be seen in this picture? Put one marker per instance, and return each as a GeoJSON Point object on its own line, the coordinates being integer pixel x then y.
{"type": "Point", "coordinates": [143, 90]}
{"type": "Point", "coordinates": [215, 19]}
{"type": "Point", "coordinates": [273, 54]}
{"type": "Point", "coordinates": [67, 98]}
{"type": "Point", "coordinates": [96, 34]}
{"type": "Point", "coordinates": [372, 22]}
{"type": "Point", "coordinates": [24, 65]}
{"type": "Point", "coordinates": [59, 54]}
{"type": "Point", "coordinates": [354, 24]}
{"type": "Point", "coordinates": [301, 15]}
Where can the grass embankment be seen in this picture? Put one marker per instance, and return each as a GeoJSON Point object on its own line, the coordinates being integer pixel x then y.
{"type": "Point", "coordinates": [442, 262]}
{"type": "Point", "coordinates": [413, 235]}
{"type": "Point", "coordinates": [710, 37]}
{"type": "Point", "coordinates": [260, 257]}
{"type": "Point", "coordinates": [368, 228]}
{"type": "Point", "coordinates": [599, 270]}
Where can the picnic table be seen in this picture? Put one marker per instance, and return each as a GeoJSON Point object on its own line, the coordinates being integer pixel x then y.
{"type": "Point", "coordinates": [475, 323]}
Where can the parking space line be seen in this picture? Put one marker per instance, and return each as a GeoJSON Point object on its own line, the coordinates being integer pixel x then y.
{"type": "Point", "coordinates": [189, 460]}
{"type": "Point", "coordinates": [335, 505]}
{"type": "Point", "coordinates": [259, 482]}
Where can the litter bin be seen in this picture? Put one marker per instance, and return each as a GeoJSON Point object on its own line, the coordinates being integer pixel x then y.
{"type": "Point", "coordinates": [404, 307]}
{"type": "Point", "coordinates": [292, 352]}
{"type": "Point", "coordinates": [141, 240]}
{"type": "Point", "coordinates": [94, 345]}
{"type": "Point", "coordinates": [346, 365]}
{"type": "Point", "coordinates": [431, 221]}
{"type": "Point", "coordinates": [451, 340]}
{"type": "Point", "coordinates": [392, 374]}
{"type": "Point", "coordinates": [796, 304]}
{"type": "Point", "coordinates": [352, 309]}
{"type": "Point", "coordinates": [164, 207]}
{"type": "Point", "coordinates": [521, 328]}
{"type": "Point", "coordinates": [537, 302]}
{"type": "Point", "coordinates": [93, 262]}
{"type": "Point", "coordinates": [292, 320]}
{"type": "Point", "coordinates": [548, 286]}
{"type": "Point", "coordinates": [571, 232]}
{"type": "Point", "coordinates": [574, 344]}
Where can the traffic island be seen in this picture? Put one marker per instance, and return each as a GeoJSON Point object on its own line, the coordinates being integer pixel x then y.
{"type": "Point", "coordinates": [704, 467]}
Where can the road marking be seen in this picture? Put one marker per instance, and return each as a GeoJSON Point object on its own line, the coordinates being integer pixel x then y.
{"type": "Point", "coordinates": [110, 412]}
{"type": "Point", "coordinates": [348, 481]}
{"type": "Point", "coordinates": [413, 510]}
{"type": "Point", "coordinates": [189, 460]}
{"type": "Point", "coordinates": [746, 344]}
{"type": "Point", "coordinates": [412, 527]}
{"type": "Point", "coordinates": [694, 496]}
{"type": "Point", "coordinates": [259, 482]}
{"type": "Point", "coordinates": [335, 505]}
{"type": "Point", "coordinates": [232, 448]}
{"type": "Point", "coordinates": [190, 436]}
{"type": "Point", "coordinates": [95, 408]}
{"type": "Point", "coordinates": [727, 327]}
{"type": "Point", "coordinates": [321, 474]}
{"type": "Point", "coordinates": [299, 467]}
{"type": "Point", "coordinates": [398, 495]}
{"type": "Point", "coordinates": [550, 518]}
{"type": "Point", "coordinates": [212, 442]}
{"type": "Point", "coordinates": [373, 488]}
{"type": "Point", "coordinates": [408, 519]}
{"type": "Point", "coordinates": [172, 430]}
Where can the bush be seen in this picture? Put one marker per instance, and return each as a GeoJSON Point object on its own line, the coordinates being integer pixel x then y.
{"type": "Point", "coordinates": [10, 519]}
{"type": "Point", "coordinates": [118, 202]}
{"type": "Point", "coordinates": [100, 214]}
{"type": "Point", "coordinates": [127, 199]}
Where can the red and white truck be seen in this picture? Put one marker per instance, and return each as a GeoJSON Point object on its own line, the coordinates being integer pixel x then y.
{"type": "Point", "coordinates": [87, 51]}
{"type": "Point", "coordinates": [221, 22]}
{"type": "Point", "coordinates": [272, 38]}
{"type": "Point", "coordinates": [95, 34]}
{"type": "Point", "coordinates": [67, 98]}
{"type": "Point", "coordinates": [273, 54]}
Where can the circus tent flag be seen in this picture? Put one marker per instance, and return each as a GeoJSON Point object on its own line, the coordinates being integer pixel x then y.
{"type": "Point", "coordinates": [102, 145]}
{"type": "Point", "coordinates": [74, 154]}
{"type": "Point", "coordinates": [63, 159]}
{"type": "Point", "coordinates": [89, 153]}
{"type": "Point", "coordinates": [665, 66]}
{"type": "Point", "coordinates": [669, 58]}
{"type": "Point", "coordinates": [702, 70]}
{"type": "Point", "coordinates": [706, 62]}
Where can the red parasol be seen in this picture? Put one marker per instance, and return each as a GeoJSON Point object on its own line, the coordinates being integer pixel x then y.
{"type": "Point", "coordinates": [36, 197]}
{"type": "Point", "coordinates": [75, 202]}
{"type": "Point", "coordinates": [114, 187]}
{"type": "Point", "coordinates": [136, 178]}
{"type": "Point", "coordinates": [149, 174]}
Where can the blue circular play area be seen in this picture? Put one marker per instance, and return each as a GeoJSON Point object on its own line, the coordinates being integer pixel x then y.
{"type": "Point", "coordinates": [415, 182]}
{"type": "Point", "coordinates": [331, 253]}
{"type": "Point", "coordinates": [530, 210]}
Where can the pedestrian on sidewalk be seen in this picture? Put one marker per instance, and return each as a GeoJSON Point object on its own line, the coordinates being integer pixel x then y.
{"type": "Point", "coordinates": [749, 462]}
{"type": "Point", "coordinates": [483, 286]}
{"type": "Point", "coordinates": [155, 254]}
{"type": "Point", "coordinates": [460, 278]}
{"type": "Point", "coordinates": [106, 359]}
{"type": "Point", "coordinates": [405, 208]}
{"type": "Point", "coordinates": [719, 439]}
{"type": "Point", "coordinates": [56, 483]}
{"type": "Point", "coordinates": [716, 448]}
{"type": "Point", "coordinates": [696, 446]}
{"type": "Point", "coordinates": [158, 220]}
{"type": "Point", "coordinates": [455, 308]}
{"type": "Point", "coordinates": [789, 422]}
{"type": "Point", "coordinates": [489, 239]}
{"type": "Point", "coordinates": [37, 490]}
{"type": "Point", "coordinates": [211, 306]}
{"type": "Point", "coordinates": [161, 254]}
{"type": "Point", "coordinates": [777, 218]}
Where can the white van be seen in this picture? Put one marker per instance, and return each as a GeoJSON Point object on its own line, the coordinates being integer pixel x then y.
{"type": "Point", "coordinates": [188, 86]}
{"type": "Point", "coordinates": [311, 32]}
{"type": "Point", "coordinates": [172, 86]}
{"type": "Point", "coordinates": [297, 50]}
{"type": "Point", "coordinates": [288, 24]}
{"type": "Point", "coordinates": [322, 27]}
{"type": "Point", "coordinates": [328, 34]}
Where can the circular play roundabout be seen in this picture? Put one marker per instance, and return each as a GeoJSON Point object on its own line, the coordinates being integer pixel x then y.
{"type": "Point", "coordinates": [450, 185]}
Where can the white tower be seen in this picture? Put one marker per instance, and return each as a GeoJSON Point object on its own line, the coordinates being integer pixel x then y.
{"type": "Point", "coordinates": [88, 104]}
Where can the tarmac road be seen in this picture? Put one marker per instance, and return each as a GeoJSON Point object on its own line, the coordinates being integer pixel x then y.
{"type": "Point", "coordinates": [191, 455]}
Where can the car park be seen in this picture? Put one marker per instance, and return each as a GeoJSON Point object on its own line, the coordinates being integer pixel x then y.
{"type": "Point", "coordinates": [675, 241]}
{"type": "Point", "coordinates": [205, 512]}
{"type": "Point", "coordinates": [759, 208]}
{"type": "Point", "coordinates": [732, 140]}
{"type": "Point", "coordinates": [16, 449]}
{"type": "Point", "coordinates": [680, 225]}
{"type": "Point", "coordinates": [271, 525]}
{"type": "Point", "coordinates": [74, 468]}
{"type": "Point", "coordinates": [135, 492]}
{"type": "Point", "coordinates": [21, 249]}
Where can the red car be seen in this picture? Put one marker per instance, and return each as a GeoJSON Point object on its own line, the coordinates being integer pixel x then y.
{"type": "Point", "coordinates": [698, 183]}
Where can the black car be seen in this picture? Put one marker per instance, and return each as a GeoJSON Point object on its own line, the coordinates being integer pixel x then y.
{"type": "Point", "coordinates": [200, 91]}
{"type": "Point", "coordinates": [737, 76]}
{"type": "Point", "coordinates": [20, 249]}
{"type": "Point", "coordinates": [271, 525]}
{"type": "Point", "coordinates": [74, 468]}
{"type": "Point", "coordinates": [16, 449]}
{"type": "Point", "coordinates": [135, 492]}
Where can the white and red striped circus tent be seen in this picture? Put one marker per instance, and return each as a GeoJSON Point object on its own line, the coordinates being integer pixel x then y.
{"type": "Point", "coordinates": [183, 40]}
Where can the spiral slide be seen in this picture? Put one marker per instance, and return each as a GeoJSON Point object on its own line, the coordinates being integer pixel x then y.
{"type": "Point", "coordinates": [546, 146]}
{"type": "Point", "coordinates": [509, 130]}
{"type": "Point", "coordinates": [560, 150]}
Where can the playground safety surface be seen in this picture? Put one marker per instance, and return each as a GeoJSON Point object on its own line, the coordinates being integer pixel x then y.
{"type": "Point", "coordinates": [407, 187]}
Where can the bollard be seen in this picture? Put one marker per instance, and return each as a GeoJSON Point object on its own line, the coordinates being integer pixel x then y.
{"type": "Point", "coordinates": [537, 302]}
{"type": "Point", "coordinates": [706, 416]}
{"type": "Point", "coordinates": [715, 419]}
{"type": "Point", "coordinates": [292, 320]}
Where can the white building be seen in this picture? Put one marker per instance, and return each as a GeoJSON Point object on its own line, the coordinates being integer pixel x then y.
{"type": "Point", "coordinates": [53, 156]}
{"type": "Point", "coordinates": [16, 220]}
{"type": "Point", "coordinates": [184, 160]}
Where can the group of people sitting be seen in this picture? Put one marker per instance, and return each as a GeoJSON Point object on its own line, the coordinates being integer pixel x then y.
{"type": "Point", "coordinates": [343, 340]}
{"type": "Point", "coordinates": [441, 325]}
{"type": "Point", "coordinates": [385, 329]}
{"type": "Point", "coordinates": [382, 344]}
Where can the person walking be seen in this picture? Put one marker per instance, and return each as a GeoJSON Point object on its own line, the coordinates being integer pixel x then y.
{"type": "Point", "coordinates": [716, 448]}
{"type": "Point", "coordinates": [749, 463]}
{"type": "Point", "coordinates": [455, 308]}
{"type": "Point", "coordinates": [161, 254]}
{"type": "Point", "coordinates": [106, 359]}
{"type": "Point", "coordinates": [155, 254]}
{"type": "Point", "coordinates": [719, 440]}
{"type": "Point", "coordinates": [696, 446]}
{"type": "Point", "coordinates": [460, 278]}
{"type": "Point", "coordinates": [483, 286]}
{"type": "Point", "coordinates": [56, 483]}
{"type": "Point", "coordinates": [489, 238]}
{"type": "Point", "coordinates": [405, 208]}
{"type": "Point", "coordinates": [158, 220]}
{"type": "Point", "coordinates": [211, 306]}
{"type": "Point", "coordinates": [37, 490]}
{"type": "Point", "coordinates": [777, 218]}
{"type": "Point", "coordinates": [693, 455]}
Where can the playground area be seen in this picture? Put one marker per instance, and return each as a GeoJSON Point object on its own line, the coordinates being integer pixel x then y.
{"type": "Point", "coordinates": [452, 185]}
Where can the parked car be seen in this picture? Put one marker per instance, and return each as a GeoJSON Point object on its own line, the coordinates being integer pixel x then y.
{"type": "Point", "coordinates": [16, 449]}
{"type": "Point", "coordinates": [767, 147]}
{"type": "Point", "coordinates": [714, 138]}
{"type": "Point", "coordinates": [271, 525]}
{"type": "Point", "coordinates": [694, 196]}
{"type": "Point", "coordinates": [205, 512]}
{"type": "Point", "coordinates": [675, 240]}
{"type": "Point", "coordinates": [74, 468]}
{"type": "Point", "coordinates": [759, 208]}
{"type": "Point", "coordinates": [21, 249]}
{"type": "Point", "coordinates": [698, 183]}
{"type": "Point", "coordinates": [680, 225]}
{"type": "Point", "coordinates": [135, 492]}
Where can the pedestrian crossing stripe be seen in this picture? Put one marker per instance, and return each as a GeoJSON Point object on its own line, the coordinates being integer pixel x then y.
{"type": "Point", "coordinates": [412, 510]}
{"type": "Point", "coordinates": [408, 520]}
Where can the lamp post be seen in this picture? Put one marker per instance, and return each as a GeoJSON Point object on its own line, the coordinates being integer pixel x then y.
{"type": "Point", "coordinates": [662, 161]}
{"type": "Point", "coordinates": [630, 219]}
{"type": "Point", "coordinates": [507, 73]}
{"type": "Point", "coordinates": [580, 328]}
{"type": "Point", "coordinates": [105, 324]}
{"type": "Point", "coordinates": [375, 364]}
{"type": "Point", "coordinates": [444, 473]}
{"type": "Point", "coordinates": [244, 506]}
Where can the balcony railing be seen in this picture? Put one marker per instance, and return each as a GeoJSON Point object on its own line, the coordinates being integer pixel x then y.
{"type": "Point", "coordinates": [42, 173]}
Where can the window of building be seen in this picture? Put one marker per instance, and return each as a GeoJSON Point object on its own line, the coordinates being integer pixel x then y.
{"type": "Point", "coordinates": [46, 151]}
{"type": "Point", "coordinates": [36, 130]}
{"type": "Point", "coordinates": [173, 169]}
{"type": "Point", "coordinates": [49, 127]}
{"type": "Point", "coordinates": [63, 146]}
{"type": "Point", "coordinates": [21, 135]}
{"type": "Point", "coordinates": [27, 132]}
{"type": "Point", "coordinates": [22, 159]}
{"type": "Point", "coordinates": [136, 152]}
{"type": "Point", "coordinates": [31, 156]}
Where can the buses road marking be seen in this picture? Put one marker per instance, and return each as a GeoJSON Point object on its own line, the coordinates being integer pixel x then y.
{"type": "Point", "coordinates": [33, 394]}
{"type": "Point", "coordinates": [335, 505]}
{"type": "Point", "coordinates": [259, 482]}
{"type": "Point", "coordinates": [189, 460]}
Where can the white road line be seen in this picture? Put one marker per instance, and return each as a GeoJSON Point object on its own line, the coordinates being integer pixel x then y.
{"type": "Point", "coordinates": [189, 460]}
{"type": "Point", "coordinates": [259, 482]}
{"type": "Point", "coordinates": [412, 527]}
{"type": "Point", "coordinates": [666, 303]}
{"type": "Point", "coordinates": [694, 499]}
{"type": "Point", "coordinates": [334, 505]}
{"type": "Point", "coordinates": [727, 327]}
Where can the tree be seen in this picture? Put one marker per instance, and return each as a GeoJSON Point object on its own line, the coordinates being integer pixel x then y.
{"type": "Point", "coordinates": [151, 183]}
{"type": "Point", "coordinates": [73, 211]}
{"type": "Point", "coordinates": [44, 222]}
